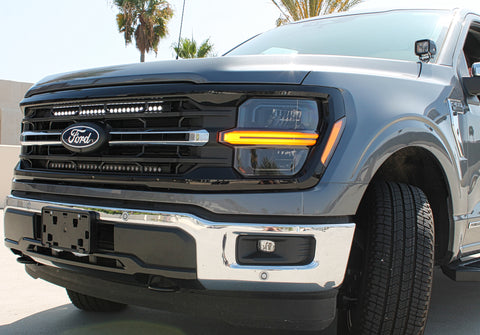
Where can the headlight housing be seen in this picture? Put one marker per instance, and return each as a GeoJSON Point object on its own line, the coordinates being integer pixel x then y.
{"type": "Point", "coordinates": [273, 136]}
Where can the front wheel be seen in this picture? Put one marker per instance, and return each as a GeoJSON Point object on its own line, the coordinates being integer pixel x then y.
{"type": "Point", "coordinates": [388, 284]}
{"type": "Point", "coordinates": [93, 304]}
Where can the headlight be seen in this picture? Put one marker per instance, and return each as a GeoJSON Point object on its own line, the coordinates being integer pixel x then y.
{"type": "Point", "coordinates": [273, 136]}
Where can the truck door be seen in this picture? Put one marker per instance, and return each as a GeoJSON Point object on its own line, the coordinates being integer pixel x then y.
{"type": "Point", "coordinates": [470, 122]}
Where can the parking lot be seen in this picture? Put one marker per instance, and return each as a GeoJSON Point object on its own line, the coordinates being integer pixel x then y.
{"type": "Point", "coordinates": [29, 306]}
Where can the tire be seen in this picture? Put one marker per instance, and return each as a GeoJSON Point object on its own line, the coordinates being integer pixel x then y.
{"type": "Point", "coordinates": [388, 284]}
{"type": "Point", "coordinates": [92, 304]}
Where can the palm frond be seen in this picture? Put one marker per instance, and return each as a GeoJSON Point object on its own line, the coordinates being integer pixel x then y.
{"type": "Point", "coordinates": [146, 20]}
{"type": "Point", "coordinates": [188, 48]}
{"type": "Point", "coordinates": [294, 10]}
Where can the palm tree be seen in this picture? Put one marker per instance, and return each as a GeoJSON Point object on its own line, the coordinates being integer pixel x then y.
{"type": "Point", "coordinates": [188, 48]}
{"type": "Point", "coordinates": [146, 20]}
{"type": "Point", "coordinates": [294, 10]}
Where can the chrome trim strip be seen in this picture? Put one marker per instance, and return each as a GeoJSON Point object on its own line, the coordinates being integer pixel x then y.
{"type": "Point", "coordinates": [467, 248]}
{"type": "Point", "coordinates": [195, 138]}
{"type": "Point", "coordinates": [23, 140]}
{"type": "Point", "coordinates": [475, 224]}
{"type": "Point", "coordinates": [38, 143]}
{"type": "Point", "coordinates": [217, 268]}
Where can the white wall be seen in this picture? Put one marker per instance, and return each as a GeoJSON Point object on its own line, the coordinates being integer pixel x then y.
{"type": "Point", "coordinates": [11, 93]}
{"type": "Point", "coordinates": [9, 154]}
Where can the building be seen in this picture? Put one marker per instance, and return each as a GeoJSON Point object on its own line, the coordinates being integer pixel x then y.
{"type": "Point", "coordinates": [11, 93]}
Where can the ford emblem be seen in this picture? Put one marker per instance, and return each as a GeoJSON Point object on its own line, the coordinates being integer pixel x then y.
{"type": "Point", "coordinates": [86, 137]}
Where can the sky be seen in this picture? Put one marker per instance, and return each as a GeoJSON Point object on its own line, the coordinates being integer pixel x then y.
{"type": "Point", "coordinates": [40, 38]}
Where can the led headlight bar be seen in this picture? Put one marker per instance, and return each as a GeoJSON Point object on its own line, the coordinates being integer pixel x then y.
{"type": "Point", "coordinates": [269, 138]}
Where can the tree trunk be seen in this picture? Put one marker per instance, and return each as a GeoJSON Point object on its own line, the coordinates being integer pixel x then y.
{"type": "Point", "coordinates": [142, 57]}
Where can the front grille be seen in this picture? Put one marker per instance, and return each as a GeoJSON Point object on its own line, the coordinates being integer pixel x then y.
{"type": "Point", "coordinates": [147, 137]}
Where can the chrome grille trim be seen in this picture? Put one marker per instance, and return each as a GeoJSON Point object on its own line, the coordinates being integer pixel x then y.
{"type": "Point", "coordinates": [195, 138]}
{"type": "Point", "coordinates": [25, 134]}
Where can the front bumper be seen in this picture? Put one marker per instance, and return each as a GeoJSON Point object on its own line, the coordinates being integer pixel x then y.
{"type": "Point", "coordinates": [215, 248]}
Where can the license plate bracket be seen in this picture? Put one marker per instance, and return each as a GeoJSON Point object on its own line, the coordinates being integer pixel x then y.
{"type": "Point", "coordinates": [68, 229]}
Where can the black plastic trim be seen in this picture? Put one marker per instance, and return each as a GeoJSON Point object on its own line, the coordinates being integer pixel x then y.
{"type": "Point", "coordinates": [281, 310]}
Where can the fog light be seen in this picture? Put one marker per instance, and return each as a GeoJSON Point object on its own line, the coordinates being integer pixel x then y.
{"type": "Point", "coordinates": [266, 246]}
{"type": "Point", "coordinates": [275, 250]}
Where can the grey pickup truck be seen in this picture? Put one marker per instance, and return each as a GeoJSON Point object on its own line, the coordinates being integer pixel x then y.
{"type": "Point", "coordinates": [316, 172]}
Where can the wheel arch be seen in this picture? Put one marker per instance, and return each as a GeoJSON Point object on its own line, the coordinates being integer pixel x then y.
{"type": "Point", "coordinates": [417, 166]}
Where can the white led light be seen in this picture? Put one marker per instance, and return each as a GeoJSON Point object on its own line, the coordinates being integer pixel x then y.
{"type": "Point", "coordinates": [266, 246]}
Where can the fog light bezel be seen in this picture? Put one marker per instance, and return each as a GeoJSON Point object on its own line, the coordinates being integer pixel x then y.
{"type": "Point", "coordinates": [288, 250]}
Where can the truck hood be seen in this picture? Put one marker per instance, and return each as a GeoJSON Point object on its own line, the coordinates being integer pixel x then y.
{"type": "Point", "coordinates": [276, 69]}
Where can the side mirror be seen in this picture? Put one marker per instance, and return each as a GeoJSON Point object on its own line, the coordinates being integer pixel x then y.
{"type": "Point", "coordinates": [472, 84]}
{"type": "Point", "coordinates": [425, 50]}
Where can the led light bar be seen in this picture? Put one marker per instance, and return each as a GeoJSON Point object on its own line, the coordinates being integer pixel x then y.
{"type": "Point", "coordinates": [92, 110]}
{"type": "Point", "coordinates": [269, 138]}
{"type": "Point", "coordinates": [106, 167]}
{"type": "Point", "coordinates": [111, 108]}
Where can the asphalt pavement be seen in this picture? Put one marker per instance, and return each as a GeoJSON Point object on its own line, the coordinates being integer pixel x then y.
{"type": "Point", "coordinates": [29, 306]}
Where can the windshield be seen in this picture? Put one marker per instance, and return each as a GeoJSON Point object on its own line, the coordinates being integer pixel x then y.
{"type": "Point", "coordinates": [389, 35]}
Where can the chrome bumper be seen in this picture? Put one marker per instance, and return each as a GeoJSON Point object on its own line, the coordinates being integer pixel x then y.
{"type": "Point", "coordinates": [216, 244]}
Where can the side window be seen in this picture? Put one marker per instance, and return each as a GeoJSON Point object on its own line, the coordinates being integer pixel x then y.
{"type": "Point", "coordinates": [471, 48]}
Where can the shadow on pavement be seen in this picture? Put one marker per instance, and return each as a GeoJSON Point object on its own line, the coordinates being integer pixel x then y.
{"type": "Point", "coordinates": [67, 320]}
{"type": "Point", "coordinates": [454, 307]}
{"type": "Point", "coordinates": [454, 311]}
